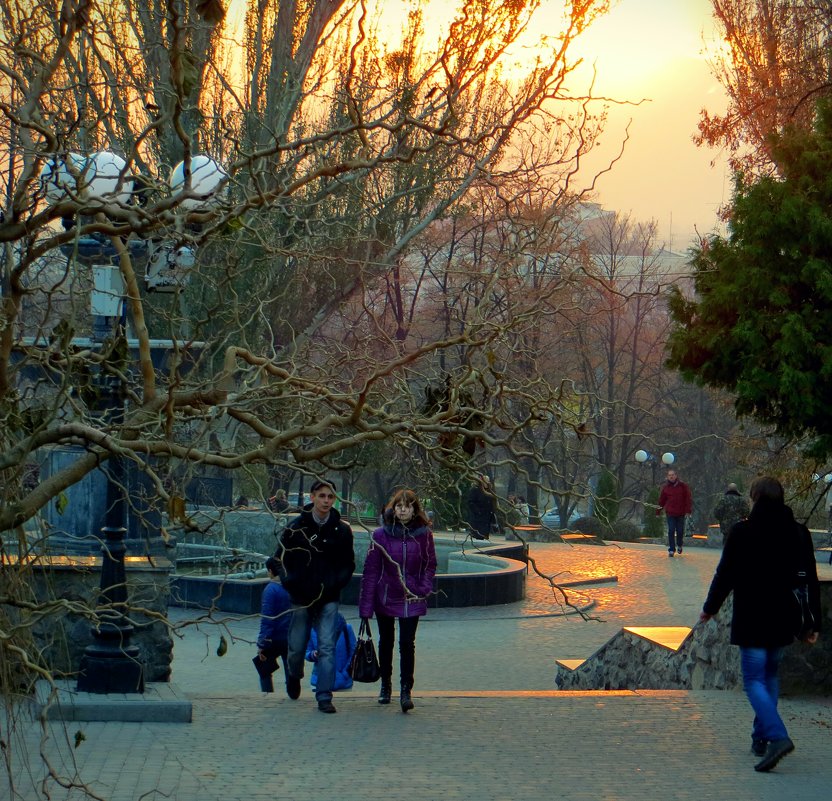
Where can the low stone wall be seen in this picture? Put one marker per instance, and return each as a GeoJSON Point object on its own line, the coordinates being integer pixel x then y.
{"type": "Point", "coordinates": [73, 583]}
{"type": "Point", "coordinates": [500, 580]}
{"type": "Point", "coordinates": [253, 530]}
{"type": "Point", "coordinates": [705, 661]}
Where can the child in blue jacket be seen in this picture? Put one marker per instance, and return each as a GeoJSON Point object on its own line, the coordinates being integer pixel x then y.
{"type": "Point", "coordinates": [344, 649]}
{"type": "Point", "coordinates": [272, 641]}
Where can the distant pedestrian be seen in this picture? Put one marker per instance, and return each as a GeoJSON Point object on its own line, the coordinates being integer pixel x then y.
{"type": "Point", "coordinates": [731, 508]}
{"type": "Point", "coordinates": [481, 517]}
{"type": "Point", "coordinates": [397, 580]}
{"type": "Point", "coordinates": [272, 640]}
{"type": "Point", "coordinates": [316, 551]}
{"type": "Point", "coordinates": [279, 503]}
{"type": "Point", "coordinates": [829, 513]}
{"type": "Point", "coordinates": [676, 500]}
{"type": "Point", "coordinates": [760, 564]}
{"type": "Point", "coordinates": [344, 649]}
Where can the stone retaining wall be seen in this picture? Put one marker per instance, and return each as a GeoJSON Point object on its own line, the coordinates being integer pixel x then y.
{"type": "Point", "coordinates": [705, 661]}
{"type": "Point", "coordinates": [62, 635]}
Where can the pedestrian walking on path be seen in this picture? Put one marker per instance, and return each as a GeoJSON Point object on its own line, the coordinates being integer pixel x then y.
{"type": "Point", "coordinates": [732, 508]}
{"type": "Point", "coordinates": [762, 564]}
{"type": "Point", "coordinates": [275, 616]}
{"type": "Point", "coordinates": [316, 551]}
{"type": "Point", "coordinates": [676, 500]}
{"type": "Point", "coordinates": [397, 580]}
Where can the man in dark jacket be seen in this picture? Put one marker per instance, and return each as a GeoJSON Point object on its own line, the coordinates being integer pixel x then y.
{"type": "Point", "coordinates": [677, 502]}
{"type": "Point", "coordinates": [761, 563]}
{"type": "Point", "coordinates": [316, 552]}
{"type": "Point", "coordinates": [481, 509]}
{"type": "Point", "coordinates": [731, 508]}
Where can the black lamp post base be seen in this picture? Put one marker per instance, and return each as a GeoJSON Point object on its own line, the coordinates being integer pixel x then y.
{"type": "Point", "coordinates": [105, 671]}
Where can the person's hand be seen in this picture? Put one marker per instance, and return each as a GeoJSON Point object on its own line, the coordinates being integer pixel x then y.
{"type": "Point", "coordinates": [261, 655]}
{"type": "Point", "coordinates": [811, 638]}
{"type": "Point", "coordinates": [704, 617]}
{"type": "Point", "coordinates": [314, 656]}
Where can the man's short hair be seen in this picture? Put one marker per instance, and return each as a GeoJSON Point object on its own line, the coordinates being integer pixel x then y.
{"type": "Point", "coordinates": [273, 565]}
{"type": "Point", "coordinates": [321, 482]}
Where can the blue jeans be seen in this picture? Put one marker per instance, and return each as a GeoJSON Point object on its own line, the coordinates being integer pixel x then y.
{"type": "Point", "coordinates": [762, 687]}
{"type": "Point", "coordinates": [324, 618]}
{"type": "Point", "coordinates": [675, 531]}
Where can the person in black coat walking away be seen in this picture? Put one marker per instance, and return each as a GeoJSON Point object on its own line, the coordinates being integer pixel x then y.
{"type": "Point", "coordinates": [760, 564]}
{"type": "Point", "coordinates": [316, 552]}
{"type": "Point", "coordinates": [481, 509]}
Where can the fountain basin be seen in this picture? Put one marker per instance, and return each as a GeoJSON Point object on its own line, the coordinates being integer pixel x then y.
{"type": "Point", "coordinates": [466, 576]}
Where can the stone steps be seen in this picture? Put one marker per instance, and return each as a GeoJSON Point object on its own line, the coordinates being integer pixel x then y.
{"type": "Point", "coordinates": [698, 658]}
{"type": "Point", "coordinates": [657, 658]}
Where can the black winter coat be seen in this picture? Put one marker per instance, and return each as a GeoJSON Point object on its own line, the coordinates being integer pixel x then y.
{"type": "Point", "coordinates": [760, 564]}
{"type": "Point", "coordinates": [318, 561]}
{"type": "Point", "coordinates": [480, 511]}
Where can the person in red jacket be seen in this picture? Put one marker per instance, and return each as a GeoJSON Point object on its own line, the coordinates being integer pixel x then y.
{"type": "Point", "coordinates": [677, 502]}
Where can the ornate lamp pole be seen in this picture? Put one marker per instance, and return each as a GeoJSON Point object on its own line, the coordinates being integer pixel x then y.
{"type": "Point", "coordinates": [110, 663]}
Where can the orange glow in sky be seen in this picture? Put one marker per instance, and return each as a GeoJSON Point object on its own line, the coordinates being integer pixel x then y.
{"type": "Point", "coordinates": [651, 50]}
{"type": "Point", "coordinates": [655, 49]}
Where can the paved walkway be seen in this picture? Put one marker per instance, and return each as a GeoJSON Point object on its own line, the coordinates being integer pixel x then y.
{"type": "Point", "coordinates": [487, 723]}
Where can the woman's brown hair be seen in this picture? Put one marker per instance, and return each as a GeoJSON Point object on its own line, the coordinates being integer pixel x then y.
{"type": "Point", "coordinates": [409, 498]}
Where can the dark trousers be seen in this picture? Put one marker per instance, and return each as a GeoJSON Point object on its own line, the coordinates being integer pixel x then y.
{"type": "Point", "coordinates": [265, 668]}
{"type": "Point", "coordinates": [675, 531]}
{"type": "Point", "coordinates": [407, 647]}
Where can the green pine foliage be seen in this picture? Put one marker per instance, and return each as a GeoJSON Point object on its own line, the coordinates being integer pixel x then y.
{"type": "Point", "coordinates": [654, 525]}
{"type": "Point", "coordinates": [606, 498]}
{"type": "Point", "coordinates": [760, 325]}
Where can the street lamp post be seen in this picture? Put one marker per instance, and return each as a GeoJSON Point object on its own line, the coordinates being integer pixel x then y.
{"type": "Point", "coordinates": [110, 663]}
{"type": "Point", "coordinates": [644, 457]}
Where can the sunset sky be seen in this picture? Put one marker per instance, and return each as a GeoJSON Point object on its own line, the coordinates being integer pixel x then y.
{"type": "Point", "coordinates": [655, 49]}
{"type": "Point", "coordinates": [643, 49]}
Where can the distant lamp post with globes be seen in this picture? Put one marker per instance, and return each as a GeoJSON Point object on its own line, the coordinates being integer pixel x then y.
{"type": "Point", "coordinates": [110, 663]}
{"type": "Point", "coordinates": [643, 457]}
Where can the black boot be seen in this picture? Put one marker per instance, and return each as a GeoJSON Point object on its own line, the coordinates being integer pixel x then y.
{"type": "Point", "coordinates": [385, 694]}
{"type": "Point", "coordinates": [406, 700]}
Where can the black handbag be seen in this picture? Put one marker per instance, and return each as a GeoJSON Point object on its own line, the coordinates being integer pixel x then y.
{"type": "Point", "coordinates": [364, 664]}
{"type": "Point", "coordinates": [803, 619]}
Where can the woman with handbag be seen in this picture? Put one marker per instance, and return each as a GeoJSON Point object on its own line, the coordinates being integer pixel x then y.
{"type": "Point", "coordinates": [398, 577]}
{"type": "Point", "coordinates": [766, 558]}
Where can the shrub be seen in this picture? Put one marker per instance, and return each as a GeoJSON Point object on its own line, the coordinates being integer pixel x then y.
{"type": "Point", "coordinates": [590, 525]}
{"type": "Point", "coordinates": [624, 531]}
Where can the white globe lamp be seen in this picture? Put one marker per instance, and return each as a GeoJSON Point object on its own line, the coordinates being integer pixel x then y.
{"type": "Point", "coordinates": [106, 178]}
{"type": "Point", "coordinates": [642, 456]}
{"type": "Point", "coordinates": [668, 458]}
{"type": "Point", "coordinates": [206, 181]}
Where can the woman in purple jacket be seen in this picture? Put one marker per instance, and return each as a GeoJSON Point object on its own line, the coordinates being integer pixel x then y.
{"type": "Point", "coordinates": [398, 577]}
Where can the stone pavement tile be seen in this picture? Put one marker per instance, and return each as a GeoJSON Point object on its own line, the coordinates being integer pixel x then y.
{"type": "Point", "coordinates": [571, 746]}
{"type": "Point", "coordinates": [487, 723]}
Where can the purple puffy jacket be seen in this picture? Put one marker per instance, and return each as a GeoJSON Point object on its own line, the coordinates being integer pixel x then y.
{"type": "Point", "coordinates": [398, 553]}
